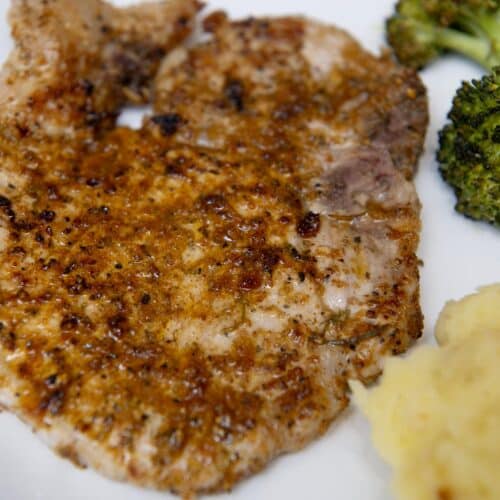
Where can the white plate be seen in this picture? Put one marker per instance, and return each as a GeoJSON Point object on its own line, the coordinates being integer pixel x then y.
{"type": "Point", "coordinates": [459, 255]}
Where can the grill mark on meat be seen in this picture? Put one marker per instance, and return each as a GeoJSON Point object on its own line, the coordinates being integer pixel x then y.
{"type": "Point", "coordinates": [182, 303]}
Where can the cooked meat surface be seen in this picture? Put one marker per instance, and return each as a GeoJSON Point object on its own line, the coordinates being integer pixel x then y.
{"type": "Point", "coordinates": [182, 303]}
{"type": "Point", "coordinates": [75, 63]}
{"type": "Point", "coordinates": [277, 85]}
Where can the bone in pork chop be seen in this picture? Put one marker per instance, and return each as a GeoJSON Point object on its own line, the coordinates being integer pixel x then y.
{"type": "Point", "coordinates": [182, 303]}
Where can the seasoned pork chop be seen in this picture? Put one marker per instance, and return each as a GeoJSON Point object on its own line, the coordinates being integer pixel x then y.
{"type": "Point", "coordinates": [76, 63]}
{"type": "Point", "coordinates": [182, 303]}
{"type": "Point", "coordinates": [277, 85]}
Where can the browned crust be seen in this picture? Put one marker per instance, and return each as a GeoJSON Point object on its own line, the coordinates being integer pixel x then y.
{"type": "Point", "coordinates": [134, 262]}
{"type": "Point", "coordinates": [264, 89]}
{"type": "Point", "coordinates": [75, 64]}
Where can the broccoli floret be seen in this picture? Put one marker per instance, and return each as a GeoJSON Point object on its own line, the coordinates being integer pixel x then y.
{"type": "Point", "coordinates": [469, 153]}
{"type": "Point", "coordinates": [421, 30]}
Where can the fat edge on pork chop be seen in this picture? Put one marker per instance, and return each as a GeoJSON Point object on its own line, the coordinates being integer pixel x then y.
{"type": "Point", "coordinates": [182, 303]}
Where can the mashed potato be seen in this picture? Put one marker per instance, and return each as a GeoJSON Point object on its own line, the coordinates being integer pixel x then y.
{"type": "Point", "coordinates": [436, 414]}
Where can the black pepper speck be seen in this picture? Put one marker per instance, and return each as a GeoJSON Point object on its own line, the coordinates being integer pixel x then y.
{"type": "Point", "coordinates": [168, 123]}
{"type": "Point", "coordinates": [47, 215]}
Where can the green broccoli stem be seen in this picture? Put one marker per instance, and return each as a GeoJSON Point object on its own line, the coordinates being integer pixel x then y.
{"type": "Point", "coordinates": [483, 25]}
{"type": "Point", "coordinates": [478, 49]}
{"type": "Point", "coordinates": [490, 24]}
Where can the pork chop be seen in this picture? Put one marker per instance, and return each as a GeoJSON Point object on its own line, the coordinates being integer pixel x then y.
{"type": "Point", "coordinates": [182, 303]}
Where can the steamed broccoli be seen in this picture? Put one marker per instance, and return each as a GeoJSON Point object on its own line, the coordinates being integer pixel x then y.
{"type": "Point", "coordinates": [469, 151]}
{"type": "Point", "coordinates": [421, 30]}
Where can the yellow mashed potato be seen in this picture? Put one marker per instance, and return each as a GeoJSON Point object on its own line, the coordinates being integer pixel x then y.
{"type": "Point", "coordinates": [436, 414]}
